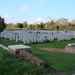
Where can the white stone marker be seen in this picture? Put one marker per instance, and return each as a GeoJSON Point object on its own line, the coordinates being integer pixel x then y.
{"type": "Point", "coordinates": [16, 48]}
{"type": "Point", "coordinates": [72, 44]}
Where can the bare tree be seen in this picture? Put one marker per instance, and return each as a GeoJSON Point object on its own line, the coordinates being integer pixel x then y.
{"type": "Point", "coordinates": [62, 21]}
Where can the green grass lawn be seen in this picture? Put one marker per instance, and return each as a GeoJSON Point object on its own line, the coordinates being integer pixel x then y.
{"type": "Point", "coordinates": [9, 65]}
{"type": "Point", "coordinates": [60, 61]}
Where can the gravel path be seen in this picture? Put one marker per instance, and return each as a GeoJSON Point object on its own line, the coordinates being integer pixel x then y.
{"type": "Point", "coordinates": [52, 49]}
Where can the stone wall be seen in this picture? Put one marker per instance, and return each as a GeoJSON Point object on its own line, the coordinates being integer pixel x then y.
{"type": "Point", "coordinates": [70, 49]}
{"type": "Point", "coordinates": [12, 51]}
{"type": "Point", "coordinates": [33, 58]}
{"type": "Point", "coordinates": [67, 49]}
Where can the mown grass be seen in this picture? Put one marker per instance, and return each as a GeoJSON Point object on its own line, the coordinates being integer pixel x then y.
{"type": "Point", "coordinates": [60, 61]}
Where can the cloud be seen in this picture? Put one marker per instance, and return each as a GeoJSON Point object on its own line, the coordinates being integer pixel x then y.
{"type": "Point", "coordinates": [9, 19]}
{"type": "Point", "coordinates": [26, 7]}
{"type": "Point", "coordinates": [42, 0]}
{"type": "Point", "coordinates": [31, 22]}
{"type": "Point", "coordinates": [37, 20]}
{"type": "Point", "coordinates": [6, 17]}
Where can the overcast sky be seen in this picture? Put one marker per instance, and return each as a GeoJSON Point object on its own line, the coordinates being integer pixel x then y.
{"type": "Point", "coordinates": [36, 10]}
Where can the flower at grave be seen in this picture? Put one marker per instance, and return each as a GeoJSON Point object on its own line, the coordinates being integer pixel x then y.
{"type": "Point", "coordinates": [46, 40]}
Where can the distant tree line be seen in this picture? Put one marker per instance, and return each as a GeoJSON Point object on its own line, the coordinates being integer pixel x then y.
{"type": "Point", "coordinates": [59, 24]}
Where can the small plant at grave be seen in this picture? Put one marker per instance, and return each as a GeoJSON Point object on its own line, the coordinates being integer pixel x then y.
{"type": "Point", "coordinates": [72, 38]}
{"type": "Point", "coordinates": [46, 40]}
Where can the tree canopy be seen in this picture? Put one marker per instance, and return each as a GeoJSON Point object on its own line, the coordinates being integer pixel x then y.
{"type": "Point", "coordinates": [19, 25]}
{"type": "Point", "coordinates": [25, 24]}
{"type": "Point", "coordinates": [2, 24]}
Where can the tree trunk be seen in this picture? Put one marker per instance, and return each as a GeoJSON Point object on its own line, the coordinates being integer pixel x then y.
{"type": "Point", "coordinates": [0, 38]}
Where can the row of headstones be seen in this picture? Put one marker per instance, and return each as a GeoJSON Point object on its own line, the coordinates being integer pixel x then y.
{"type": "Point", "coordinates": [65, 37]}
{"type": "Point", "coordinates": [32, 36]}
{"type": "Point", "coordinates": [27, 37]}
